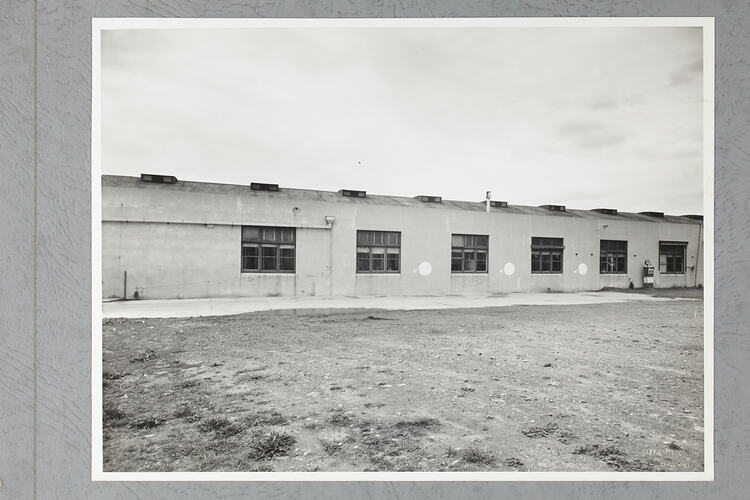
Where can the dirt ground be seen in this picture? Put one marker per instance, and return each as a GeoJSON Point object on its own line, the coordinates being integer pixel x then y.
{"type": "Point", "coordinates": [610, 387]}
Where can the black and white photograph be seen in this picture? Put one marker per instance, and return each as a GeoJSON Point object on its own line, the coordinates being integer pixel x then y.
{"type": "Point", "coordinates": [365, 249]}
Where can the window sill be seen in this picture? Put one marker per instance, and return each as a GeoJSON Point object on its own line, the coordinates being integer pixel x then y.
{"type": "Point", "coordinates": [613, 274]}
{"type": "Point", "coordinates": [470, 273]}
{"type": "Point", "coordinates": [378, 273]}
{"type": "Point", "coordinates": [537, 273]}
{"type": "Point", "coordinates": [283, 273]}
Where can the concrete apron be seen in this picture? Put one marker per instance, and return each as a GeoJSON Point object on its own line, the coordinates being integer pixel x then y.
{"type": "Point", "coordinates": [185, 308]}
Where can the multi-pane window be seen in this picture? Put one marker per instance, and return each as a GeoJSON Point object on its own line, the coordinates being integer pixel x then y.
{"type": "Point", "coordinates": [268, 249]}
{"type": "Point", "coordinates": [672, 257]}
{"type": "Point", "coordinates": [378, 252]}
{"type": "Point", "coordinates": [613, 257]}
{"type": "Point", "coordinates": [469, 253]}
{"type": "Point", "coordinates": [546, 255]}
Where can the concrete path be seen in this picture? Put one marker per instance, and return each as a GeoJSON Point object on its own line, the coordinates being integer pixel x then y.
{"type": "Point", "coordinates": [183, 308]}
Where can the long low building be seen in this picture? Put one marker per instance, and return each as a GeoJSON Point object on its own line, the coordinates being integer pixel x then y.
{"type": "Point", "coordinates": [167, 238]}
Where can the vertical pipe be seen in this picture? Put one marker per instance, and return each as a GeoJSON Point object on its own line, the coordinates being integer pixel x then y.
{"type": "Point", "coordinates": [125, 286]}
{"type": "Point", "coordinates": [698, 256]}
{"type": "Point", "coordinates": [330, 262]}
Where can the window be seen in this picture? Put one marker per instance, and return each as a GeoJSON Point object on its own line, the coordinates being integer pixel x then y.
{"type": "Point", "coordinates": [469, 253]}
{"type": "Point", "coordinates": [378, 252]}
{"type": "Point", "coordinates": [268, 249]}
{"type": "Point", "coordinates": [546, 255]}
{"type": "Point", "coordinates": [672, 257]}
{"type": "Point", "coordinates": [613, 257]}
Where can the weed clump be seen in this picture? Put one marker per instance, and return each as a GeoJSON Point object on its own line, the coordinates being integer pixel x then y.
{"type": "Point", "coordinates": [144, 356]}
{"type": "Point", "coordinates": [513, 462]}
{"type": "Point", "coordinates": [331, 446]}
{"type": "Point", "coordinates": [186, 412]}
{"type": "Point", "coordinates": [615, 458]}
{"type": "Point", "coordinates": [275, 444]}
{"type": "Point", "coordinates": [147, 423]}
{"type": "Point", "coordinates": [340, 418]}
{"type": "Point", "coordinates": [477, 456]}
{"type": "Point", "coordinates": [418, 425]}
{"type": "Point", "coordinates": [537, 432]}
{"type": "Point", "coordinates": [220, 426]}
{"type": "Point", "coordinates": [113, 416]}
{"type": "Point", "coordinates": [266, 417]}
{"type": "Point", "coordinates": [597, 451]}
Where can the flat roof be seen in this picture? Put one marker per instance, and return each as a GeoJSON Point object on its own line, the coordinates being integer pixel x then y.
{"type": "Point", "coordinates": [375, 199]}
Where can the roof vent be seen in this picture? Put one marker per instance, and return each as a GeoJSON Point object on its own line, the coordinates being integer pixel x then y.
{"type": "Point", "coordinates": [161, 179]}
{"type": "Point", "coordinates": [607, 211]}
{"type": "Point", "coordinates": [430, 199]}
{"type": "Point", "coordinates": [554, 208]}
{"type": "Point", "coordinates": [693, 216]}
{"type": "Point", "coordinates": [498, 204]}
{"type": "Point", "coordinates": [352, 193]}
{"type": "Point", "coordinates": [259, 186]}
{"type": "Point", "coordinates": [653, 214]}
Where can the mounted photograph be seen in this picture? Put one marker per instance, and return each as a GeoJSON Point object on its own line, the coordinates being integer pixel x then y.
{"type": "Point", "coordinates": [402, 249]}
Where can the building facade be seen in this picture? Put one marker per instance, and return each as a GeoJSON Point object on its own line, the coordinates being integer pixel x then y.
{"type": "Point", "coordinates": [164, 238]}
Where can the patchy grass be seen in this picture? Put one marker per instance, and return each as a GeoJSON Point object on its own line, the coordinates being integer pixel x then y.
{"type": "Point", "coordinates": [147, 423]}
{"type": "Point", "coordinates": [477, 456]}
{"type": "Point", "coordinates": [418, 425]}
{"type": "Point", "coordinates": [340, 418]}
{"type": "Point", "coordinates": [114, 416]}
{"type": "Point", "coordinates": [512, 463]}
{"type": "Point", "coordinates": [331, 446]}
{"type": "Point", "coordinates": [144, 356]}
{"type": "Point", "coordinates": [311, 425]}
{"type": "Point", "coordinates": [565, 436]}
{"type": "Point", "coordinates": [187, 412]}
{"type": "Point", "coordinates": [205, 389]}
{"type": "Point", "coordinates": [221, 427]}
{"type": "Point", "coordinates": [615, 458]}
{"type": "Point", "coordinates": [597, 451]}
{"type": "Point", "coordinates": [265, 417]}
{"type": "Point", "coordinates": [534, 431]}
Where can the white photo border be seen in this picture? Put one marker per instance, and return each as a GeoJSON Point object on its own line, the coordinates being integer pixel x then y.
{"type": "Point", "coordinates": [102, 24]}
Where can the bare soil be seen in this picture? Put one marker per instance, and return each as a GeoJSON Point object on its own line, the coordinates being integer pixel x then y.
{"type": "Point", "coordinates": [610, 387]}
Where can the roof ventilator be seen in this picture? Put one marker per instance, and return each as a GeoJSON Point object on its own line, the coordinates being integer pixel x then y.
{"type": "Point", "coordinates": [353, 193]}
{"type": "Point", "coordinates": [160, 179]}
{"type": "Point", "coordinates": [554, 208]}
{"type": "Point", "coordinates": [607, 211]}
{"type": "Point", "coordinates": [259, 186]}
{"type": "Point", "coordinates": [429, 199]}
{"type": "Point", "coordinates": [653, 214]}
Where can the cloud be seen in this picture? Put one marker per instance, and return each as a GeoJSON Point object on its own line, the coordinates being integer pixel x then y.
{"type": "Point", "coordinates": [590, 135]}
{"type": "Point", "coordinates": [450, 111]}
{"type": "Point", "coordinates": [604, 103]}
{"type": "Point", "coordinates": [686, 73]}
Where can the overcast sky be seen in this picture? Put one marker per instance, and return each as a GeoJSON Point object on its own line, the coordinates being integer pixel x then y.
{"type": "Point", "coordinates": [583, 117]}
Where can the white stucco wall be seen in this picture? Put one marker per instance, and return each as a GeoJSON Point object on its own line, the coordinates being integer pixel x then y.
{"type": "Point", "coordinates": [186, 243]}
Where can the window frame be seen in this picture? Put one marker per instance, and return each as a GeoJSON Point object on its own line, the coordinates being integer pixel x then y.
{"type": "Point", "coordinates": [682, 245]}
{"type": "Point", "coordinates": [389, 248]}
{"type": "Point", "coordinates": [263, 242]}
{"type": "Point", "coordinates": [614, 252]}
{"type": "Point", "coordinates": [546, 245]}
{"type": "Point", "coordinates": [472, 246]}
